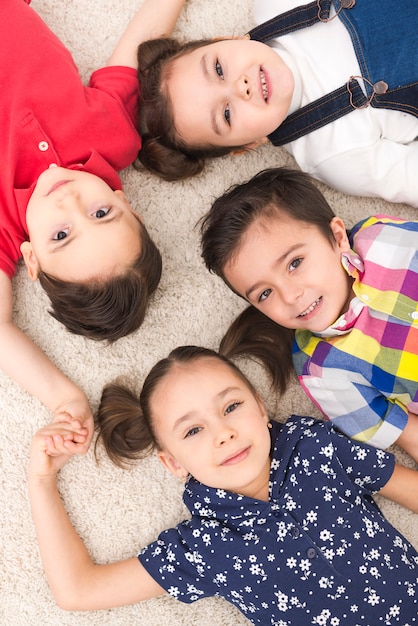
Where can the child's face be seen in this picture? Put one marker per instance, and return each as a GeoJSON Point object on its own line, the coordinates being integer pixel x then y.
{"type": "Point", "coordinates": [292, 273]}
{"type": "Point", "coordinates": [233, 92]}
{"type": "Point", "coordinates": [79, 228]}
{"type": "Point", "coordinates": [210, 425]}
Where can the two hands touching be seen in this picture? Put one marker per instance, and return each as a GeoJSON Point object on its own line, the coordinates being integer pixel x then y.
{"type": "Point", "coordinates": [69, 433]}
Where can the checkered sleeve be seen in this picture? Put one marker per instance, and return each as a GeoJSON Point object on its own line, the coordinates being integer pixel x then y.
{"type": "Point", "coordinates": [355, 407]}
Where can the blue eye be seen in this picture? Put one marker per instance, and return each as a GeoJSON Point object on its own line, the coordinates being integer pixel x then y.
{"type": "Point", "coordinates": [102, 212]}
{"type": "Point", "coordinates": [61, 234]}
{"type": "Point", "coordinates": [218, 69]}
{"type": "Point", "coordinates": [193, 431]}
{"type": "Point", "coordinates": [232, 407]}
{"type": "Point", "coordinates": [227, 115]}
{"type": "Point", "coordinates": [294, 264]}
{"type": "Point", "coordinates": [264, 295]}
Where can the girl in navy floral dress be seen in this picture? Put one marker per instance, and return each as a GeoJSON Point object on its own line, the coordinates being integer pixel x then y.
{"type": "Point", "coordinates": [283, 523]}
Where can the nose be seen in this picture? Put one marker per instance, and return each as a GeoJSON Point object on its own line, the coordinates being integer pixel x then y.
{"type": "Point", "coordinates": [70, 199]}
{"type": "Point", "coordinates": [290, 293]}
{"type": "Point", "coordinates": [224, 433]}
{"type": "Point", "coordinates": [244, 87]}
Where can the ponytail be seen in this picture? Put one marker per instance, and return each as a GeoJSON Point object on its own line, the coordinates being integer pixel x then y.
{"type": "Point", "coordinates": [252, 334]}
{"type": "Point", "coordinates": [168, 163]}
{"type": "Point", "coordinates": [123, 428]}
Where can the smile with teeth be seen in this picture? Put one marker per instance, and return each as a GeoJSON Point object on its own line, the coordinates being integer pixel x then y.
{"type": "Point", "coordinates": [264, 85]}
{"type": "Point", "coordinates": [310, 308]}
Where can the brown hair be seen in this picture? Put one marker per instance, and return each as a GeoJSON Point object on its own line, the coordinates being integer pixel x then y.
{"type": "Point", "coordinates": [271, 192]}
{"type": "Point", "coordinates": [125, 421]}
{"type": "Point", "coordinates": [163, 151]}
{"type": "Point", "coordinates": [112, 309]}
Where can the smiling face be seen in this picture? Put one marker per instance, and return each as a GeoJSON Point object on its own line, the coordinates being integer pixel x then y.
{"type": "Point", "coordinates": [79, 228]}
{"type": "Point", "coordinates": [210, 424]}
{"type": "Point", "coordinates": [233, 92]}
{"type": "Point", "coordinates": [291, 272]}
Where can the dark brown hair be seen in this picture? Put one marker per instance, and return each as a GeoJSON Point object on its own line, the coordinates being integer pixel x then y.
{"type": "Point", "coordinates": [112, 309]}
{"type": "Point", "coordinates": [163, 151]}
{"type": "Point", "coordinates": [272, 192]}
{"type": "Point", "coordinates": [125, 421]}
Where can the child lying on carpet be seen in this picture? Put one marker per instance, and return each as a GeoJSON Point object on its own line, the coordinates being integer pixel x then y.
{"type": "Point", "coordinates": [351, 302]}
{"type": "Point", "coordinates": [283, 524]}
{"type": "Point", "coordinates": [334, 85]}
{"type": "Point", "coordinates": [61, 201]}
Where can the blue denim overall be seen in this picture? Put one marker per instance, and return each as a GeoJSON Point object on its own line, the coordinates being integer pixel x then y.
{"type": "Point", "coordinates": [384, 34]}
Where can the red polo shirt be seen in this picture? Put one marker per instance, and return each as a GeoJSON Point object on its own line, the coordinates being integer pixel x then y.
{"type": "Point", "coordinates": [47, 116]}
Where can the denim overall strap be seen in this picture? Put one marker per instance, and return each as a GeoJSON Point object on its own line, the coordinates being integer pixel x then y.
{"type": "Point", "coordinates": [348, 97]}
{"type": "Point", "coordinates": [295, 19]}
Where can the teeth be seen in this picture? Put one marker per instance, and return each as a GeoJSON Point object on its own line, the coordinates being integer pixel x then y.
{"type": "Point", "coordinates": [264, 85]}
{"type": "Point", "coordinates": [311, 308]}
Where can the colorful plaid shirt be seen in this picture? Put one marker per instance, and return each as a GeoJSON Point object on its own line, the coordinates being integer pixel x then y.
{"type": "Point", "coordinates": [362, 372]}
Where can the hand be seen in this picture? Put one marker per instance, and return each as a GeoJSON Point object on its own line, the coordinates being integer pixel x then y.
{"type": "Point", "coordinates": [52, 447]}
{"type": "Point", "coordinates": [77, 413]}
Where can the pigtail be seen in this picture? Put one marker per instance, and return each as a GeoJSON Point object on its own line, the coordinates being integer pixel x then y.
{"type": "Point", "coordinates": [122, 428]}
{"type": "Point", "coordinates": [255, 335]}
{"type": "Point", "coordinates": [168, 163]}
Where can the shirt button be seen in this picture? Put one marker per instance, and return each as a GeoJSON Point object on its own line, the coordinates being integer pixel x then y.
{"type": "Point", "coordinates": [43, 146]}
{"type": "Point", "coordinates": [295, 532]}
{"type": "Point", "coordinates": [365, 297]}
{"type": "Point", "coordinates": [311, 553]}
{"type": "Point", "coordinates": [414, 315]}
{"type": "Point", "coordinates": [53, 165]}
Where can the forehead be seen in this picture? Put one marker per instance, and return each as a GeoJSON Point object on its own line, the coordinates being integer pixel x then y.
{"type": "Point", "coordinates": [195, 382]}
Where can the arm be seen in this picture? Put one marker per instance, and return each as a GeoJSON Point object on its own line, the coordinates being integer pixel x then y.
{"type": "Point", "coordinates": [386, 169]}
{"type": "Point", "coordinates": [75, 581]}
{"type": "Point", "coordinates": [155, 18]}
{"type": "Point", "coordinates": [408, 440]}
{"type": "Point", "coordinates": [402, 487]}
{"type": "Point", "coordinates": [27, 365]}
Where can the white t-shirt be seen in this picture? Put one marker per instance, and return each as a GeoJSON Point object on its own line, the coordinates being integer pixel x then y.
{"type": "Point", "coordinates": [369, 152]}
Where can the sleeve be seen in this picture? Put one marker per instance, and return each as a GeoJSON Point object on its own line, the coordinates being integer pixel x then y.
{"type": "Point", "coordinates": [385, 169]}
{"type": "Point", "coordinates": [355, 407]}
{"type": "Point", "coordinates": [178, 569]}
{"type": "Point", "coordinates": [121, 83]}
{"type": "Point", "coordinates": [367, 467]}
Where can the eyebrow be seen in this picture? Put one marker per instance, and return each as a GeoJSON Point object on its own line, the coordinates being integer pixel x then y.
{"type": "Point", "coordinates": [68, 240]}
{"type": "Point", "coordinates": [190, 415]}
{"type": "Point", "coordinates": [205, 69]}
{"type": "Point", "coordinates": [276, 263]}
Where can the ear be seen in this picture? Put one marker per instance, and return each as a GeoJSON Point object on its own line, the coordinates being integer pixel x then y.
{"type": "Point", "coordinates": [262, 407]}
{"type": "Point", "coordinates": [119, 193]}
{"type": "Point", "coordinates": [340, 234]}
{"type": "Point", "coordinates": [249, 146]}
{"type": "Point", "coordinates": [172, 465]}
{"type": "Point", "coordinates": [30, 259]}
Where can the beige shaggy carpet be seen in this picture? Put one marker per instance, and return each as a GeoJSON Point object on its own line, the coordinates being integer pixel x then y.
{"type": "Point", "coordinates": [116, 511]}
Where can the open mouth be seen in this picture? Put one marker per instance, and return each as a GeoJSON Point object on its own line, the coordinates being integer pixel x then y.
{"type": "Point", "coordinates": [310, 308]}
{"type": "Point", "coordinates": [264, 87]}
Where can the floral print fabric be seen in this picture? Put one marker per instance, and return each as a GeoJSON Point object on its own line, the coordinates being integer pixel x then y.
{"type": "Point", "coordinates": [318, 552]}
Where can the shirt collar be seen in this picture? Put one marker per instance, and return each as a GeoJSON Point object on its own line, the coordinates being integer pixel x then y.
{"type": "Point", "coordinates": [219, 504]}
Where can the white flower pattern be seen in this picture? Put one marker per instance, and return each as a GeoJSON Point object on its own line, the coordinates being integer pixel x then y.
{"type": "Point", "coordinates": [319, 552]}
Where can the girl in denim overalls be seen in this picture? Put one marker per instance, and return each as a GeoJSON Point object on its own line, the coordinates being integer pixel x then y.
{"type": "Point", "coordinates": [362, 140]}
